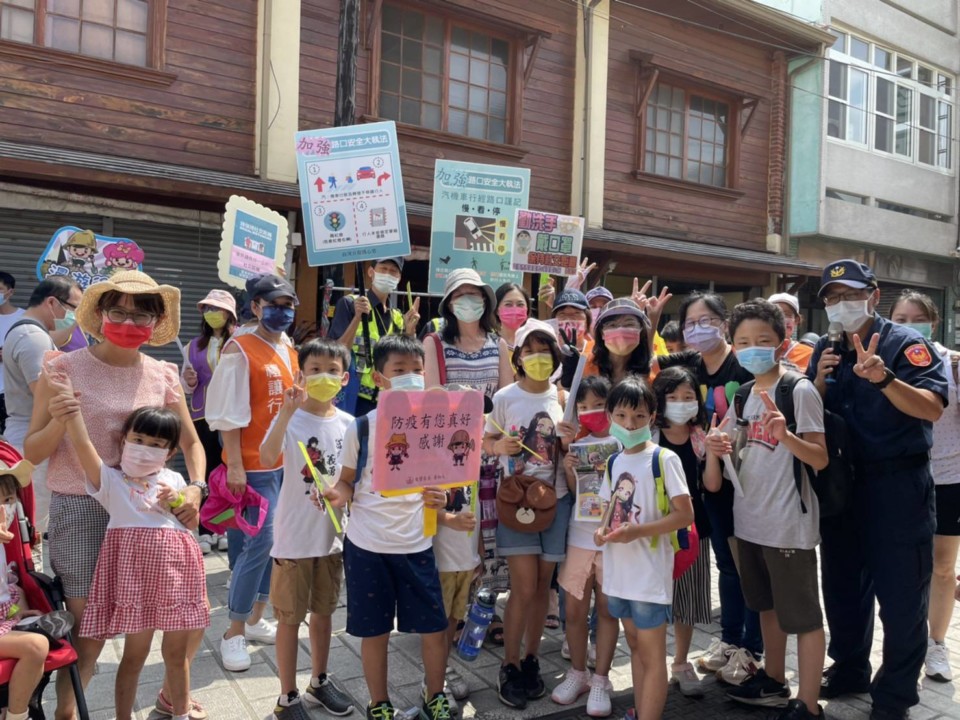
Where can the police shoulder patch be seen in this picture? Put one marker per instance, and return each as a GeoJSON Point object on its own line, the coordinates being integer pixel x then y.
{"type": "Point", "coordinates": [918, 355]}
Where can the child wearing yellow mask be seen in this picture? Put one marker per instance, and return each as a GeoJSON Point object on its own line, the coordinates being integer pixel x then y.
{"type": "Point", "coordinates": [522, 430]}
{"type": "Point", "coordinates": [307, 562]}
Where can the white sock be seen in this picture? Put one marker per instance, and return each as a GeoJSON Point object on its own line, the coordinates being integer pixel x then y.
{"type": "Point", "coordinates": [18, 716]}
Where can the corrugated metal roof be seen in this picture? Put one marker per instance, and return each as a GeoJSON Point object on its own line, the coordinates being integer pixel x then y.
{"type": "Point", "coordinates": [714, 254]}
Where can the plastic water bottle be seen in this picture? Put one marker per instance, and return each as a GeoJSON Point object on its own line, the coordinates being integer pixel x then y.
{"type": "Point", "coordinates": [478, 620]}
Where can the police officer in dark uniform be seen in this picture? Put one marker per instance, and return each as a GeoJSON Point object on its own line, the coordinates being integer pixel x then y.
{"type": "Point", "coordinates": [890, 386]}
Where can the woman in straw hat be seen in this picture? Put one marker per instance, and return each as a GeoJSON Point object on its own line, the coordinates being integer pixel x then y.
{"type": "Point", "coordinates": [110, 380]}
{"type": "Point", "coordinates": [219, 319]}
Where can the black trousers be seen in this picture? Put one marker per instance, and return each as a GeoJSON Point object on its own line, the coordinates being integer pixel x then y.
{"type": "Point", "coordinates": [881, 549]}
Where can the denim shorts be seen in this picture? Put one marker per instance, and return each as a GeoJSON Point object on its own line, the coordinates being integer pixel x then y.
{"type": "Point", "coordinates": [382, 588]}
{"type": "Point", "coordinates": [645, 615]}
{"type": "Point", "coordinates": [550, 545]}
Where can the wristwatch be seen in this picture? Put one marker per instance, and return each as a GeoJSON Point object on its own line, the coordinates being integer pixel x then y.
{"type": "Point", "coordinates": [204, 489]}
{"type": "Point", "coordinates": [888, 377]}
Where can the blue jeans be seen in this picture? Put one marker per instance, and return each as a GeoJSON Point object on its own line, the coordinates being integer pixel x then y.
{"type": "Point", "coordinates": [251, 572]}
{"type": "Point", "coordinates": [235, 540]}
{"type": "Point", "coordinates": [739, 625]}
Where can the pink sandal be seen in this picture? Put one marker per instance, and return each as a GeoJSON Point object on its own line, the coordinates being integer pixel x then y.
{"type": "Point", "coordinates": [163, 706]}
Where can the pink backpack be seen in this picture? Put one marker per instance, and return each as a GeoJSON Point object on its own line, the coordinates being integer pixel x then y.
{"type": "Point", "coordinates": [223, 510]}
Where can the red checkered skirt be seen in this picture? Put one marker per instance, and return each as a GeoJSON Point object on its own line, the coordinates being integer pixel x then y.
{"type": "Point", "coordinates": [146, 579]}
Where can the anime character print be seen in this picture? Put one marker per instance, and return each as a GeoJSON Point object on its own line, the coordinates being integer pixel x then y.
{"type": "Point", "coordinates": [316, 459]}
{"type": "Point", "coordinates": [540, 436]}
{"type": "Point", "coordinates": [623, 510]}
{"type": "Point", "coordinates": [458, 499]}
{"type": "Point", "coordinates": [78, 252]}
{"type": "Point", "coordinates": [122, 255]}
{"type": "Point", "coordinates": [460, 446]}
{"type": "Point", "coordinates": [397, 448]}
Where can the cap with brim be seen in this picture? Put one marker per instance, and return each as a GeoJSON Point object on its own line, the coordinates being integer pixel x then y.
{"type": "Point", "coordinates": [787, 299]}
{"type": "Point", "coordinates": [533, 326]}
{"type": "Point", "coordinates": [570, 298]}
{"type": "Point", "coordinates": [12, 463]}
{"type": "Point", "coordinates": [847, 272]}
{"type": "Point", "coordinates": [219, 299]}
{"type": "Point", "coordinates": [599, 292]}
{"type": "Point", "coordinates": [622, 306]}
{"type": "Point", "coordinates": [466, 276]}
{"type": "Point", "coordinates": [270, 287]}
{"type": "Point", "coordinates": [398, 261]}
{"type": "Point", "coordinates": [132, 282]}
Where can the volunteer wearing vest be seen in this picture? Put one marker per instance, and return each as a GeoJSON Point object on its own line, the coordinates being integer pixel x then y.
{"type": "Point", "coordinates": [218, 311]}
{"type": "Point", "coordinates": [244, 396]}
{"type": "Point", "coordinates": [889, 385]}
{"type": "Point", "coordinates": [349, 328]}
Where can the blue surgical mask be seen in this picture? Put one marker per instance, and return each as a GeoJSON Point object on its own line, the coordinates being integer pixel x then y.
{"type": "Point", "coordinates": [757, 360]}
{"type": "Point", "coordinates": [410, 381]}
{"type": "Point", "coordinates": [276, 318]}
{"type": "Point", "coordinates": [925, 329]}
{"type": "Point", "coordinates": [630, 438]}
{"type": "Point", "coordinates": [66, 321]}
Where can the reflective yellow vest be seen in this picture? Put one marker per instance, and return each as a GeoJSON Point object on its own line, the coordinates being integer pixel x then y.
{"type": "Point", "coordinates": [368, 389]}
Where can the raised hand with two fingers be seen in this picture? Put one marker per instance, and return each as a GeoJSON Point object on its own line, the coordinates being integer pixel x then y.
{"type": "Point", "coordinates": [717, 441]}
{"type": "Point", "coordinates": [773, 421]}
{"type": "Point", "coordinates": [870, 366]}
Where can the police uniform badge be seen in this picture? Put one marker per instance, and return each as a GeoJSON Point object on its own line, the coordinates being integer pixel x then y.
{"type": "Point", "coordinates": [918, 355]}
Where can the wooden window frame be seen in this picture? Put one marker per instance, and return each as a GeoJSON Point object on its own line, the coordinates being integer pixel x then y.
{"type": "Point", "coordinates": [149, 74]}
{"type": "Point", "coordinates": [741, 106]}
{"type": "Point", "coordinates": [524, 44]}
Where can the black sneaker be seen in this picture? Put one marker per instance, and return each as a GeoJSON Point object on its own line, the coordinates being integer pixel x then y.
{"type": "Point", "coordinates": [761, 690]}
{"type": "Point", "coordinates": [797, 710]}
{"type": "Point", "coordinates": [836, 684]}
{"type": "Point", "coordinates": [436, 708]}
{"type": "Point", "coordinates": [294, 710]}
{"type": "Point", "coordinates": [329, 697]}
{"type": "Point", "coordinates": [510, 687]}
{"type": "Point", "coordinates": [381, 711]}
{"type": "Point", "coordinates": [888, 714]}
{"type": "Point", "coordinates": [533, 684]}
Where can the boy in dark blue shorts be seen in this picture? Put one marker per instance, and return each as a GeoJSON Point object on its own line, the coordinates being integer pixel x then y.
{"type": "Point", "coordinates": [390, 569]}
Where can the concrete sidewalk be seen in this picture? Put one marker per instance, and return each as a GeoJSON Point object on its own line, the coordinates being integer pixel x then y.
{"type": "Point", "coordinates": [253, 694]}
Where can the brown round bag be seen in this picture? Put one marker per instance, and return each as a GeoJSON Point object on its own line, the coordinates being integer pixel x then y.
{"type": "Point", "coordinates": [526, 504]}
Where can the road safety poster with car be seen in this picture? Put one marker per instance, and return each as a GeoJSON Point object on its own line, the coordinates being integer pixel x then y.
{"type": "Point", "coordinates": [472, 224]}
{"type": "Point", "coordinates": [351, 191]}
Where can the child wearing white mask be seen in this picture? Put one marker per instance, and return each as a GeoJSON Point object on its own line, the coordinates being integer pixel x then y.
{"type": "Point", "coordinates": [150, 573]}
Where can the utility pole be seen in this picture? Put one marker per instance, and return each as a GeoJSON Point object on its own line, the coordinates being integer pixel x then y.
{"type": "Point", "coordinates": [345, 112]}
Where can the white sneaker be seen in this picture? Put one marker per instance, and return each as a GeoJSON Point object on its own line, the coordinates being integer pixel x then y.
{"type": "Point", "coordinates": [716, 656]}
{"type": "Point", "coordinates": [592, 656]}
{"type": "Point", "coordinates": [565, 649]}
{"type": "Point", "coordinates": [598, 701]}
{"type": "Point", "coordinates": [575, 684]}
{"type": "Point", "coordinates": [741, 667]}
{"type": "Point", "coordinates": [206, 544]}
{"type": "Point", "coordinates": [227, 583]}
{"type": "Point", "coordinates": [234, 655]}
{"type": "Point", "coordinates": [687, 679]}
{"type": "Point", "coordinates": [222, 543]}
{"type": "Point", "coordinates": [938, 662]}
{"type": "Point", "coordinates": [454, 685]}
{"type": "Point", "coordinates": [262, 632]}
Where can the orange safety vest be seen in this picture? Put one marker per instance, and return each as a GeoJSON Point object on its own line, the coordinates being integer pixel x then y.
{"type": "Point", "coordinates": [269, 379]}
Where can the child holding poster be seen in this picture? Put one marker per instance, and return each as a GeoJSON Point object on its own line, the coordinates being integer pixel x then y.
{"type": "Point", "coordinates": [522, 430]}
{"type": "Point", "coordinates": [307, 560]}
{"type": "Point", "coordinates": [390, 567]}
{"type": "Point", "coordinates": [581, 572]}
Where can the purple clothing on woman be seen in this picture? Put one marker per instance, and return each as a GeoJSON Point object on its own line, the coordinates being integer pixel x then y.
{"type": "Point", "coordinates": [78, 340]}
{"type": "Point", "coordinates": [203, 361]}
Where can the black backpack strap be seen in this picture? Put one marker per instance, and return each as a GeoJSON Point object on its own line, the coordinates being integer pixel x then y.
{"type": "Point", "coordinates": [25, 321]}
{"type": "Point", "coordinates": [785, 405]}
{"type": "Point", "coordinates": [740, 398]}
{"type": "Point", "coordinates": [363, 441]}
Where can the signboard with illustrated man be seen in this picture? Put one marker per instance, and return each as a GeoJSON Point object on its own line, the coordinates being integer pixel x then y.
{"type": "Point", "coordinates": [86, 257]}
{"type": "Point", "coordinates": [426, 438]}
{"type": "Point", "coordinates": [546, 242]}
{"type": "Point", "coordinates": [352, 194]}
{"type": "Point", "coordinates": [473, 211]}
{"type": "Point", "coordinates": [253, 241]}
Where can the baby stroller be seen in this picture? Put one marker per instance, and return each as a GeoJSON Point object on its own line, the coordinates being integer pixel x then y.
{"type": "Point", "coordinates": [45, 594]}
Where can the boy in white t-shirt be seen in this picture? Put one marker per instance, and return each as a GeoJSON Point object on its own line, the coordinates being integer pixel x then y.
{"type": "Point", "coordinates": [307, 561]}
{"type": "Point", "coordinates": [777, 528]}
{"type": "Point", "coordinates": [636, 539]}
{"type": "Point", "coordinates": [390, 567]}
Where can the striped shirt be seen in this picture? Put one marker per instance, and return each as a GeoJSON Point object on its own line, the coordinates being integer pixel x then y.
{"type": "Point", "coordinates": [479, 370]}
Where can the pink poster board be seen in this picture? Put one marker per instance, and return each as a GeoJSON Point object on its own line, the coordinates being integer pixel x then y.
{"type": "Point", "coordinates": [426, 438]}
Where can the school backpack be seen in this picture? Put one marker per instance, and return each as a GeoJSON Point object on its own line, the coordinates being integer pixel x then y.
{"type": "Point", "coordinates": [834, 483]}
{"type": "Point", "coordinates": [685, 541]}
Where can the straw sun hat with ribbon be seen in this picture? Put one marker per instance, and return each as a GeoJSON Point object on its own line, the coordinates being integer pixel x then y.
{"type": "Point", "coordinates": [132, 282]}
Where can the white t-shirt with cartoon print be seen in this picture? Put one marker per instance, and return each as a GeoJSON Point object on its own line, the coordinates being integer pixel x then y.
{"type": "Point", "coordinates": [534, 418]}
{"type": "Point", "coordinates": [636, 570]}
{"type": "Point", "coordinates": [300, 530]}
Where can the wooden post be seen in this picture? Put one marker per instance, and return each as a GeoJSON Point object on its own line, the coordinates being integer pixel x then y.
{"type": "Point", "coordinates": [345, 112]}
